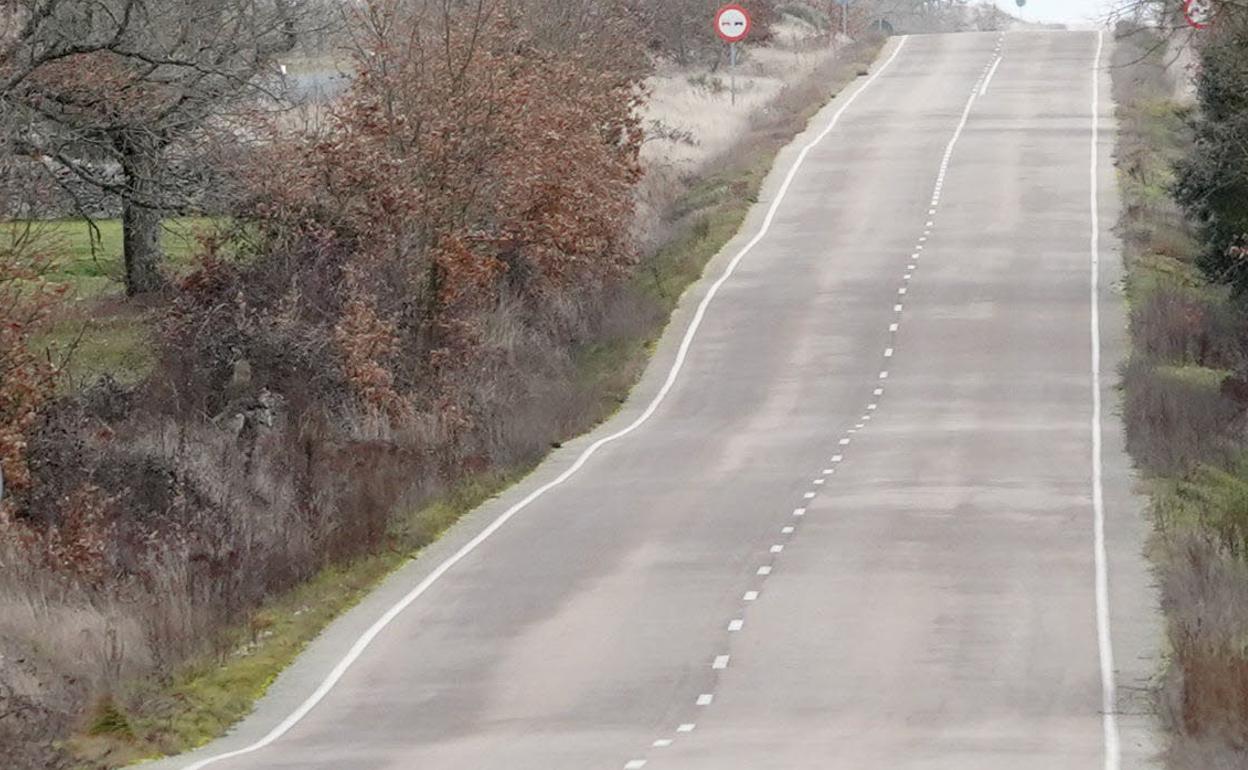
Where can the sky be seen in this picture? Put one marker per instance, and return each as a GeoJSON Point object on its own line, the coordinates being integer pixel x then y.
{"type": "Point", "coordinates": [1067, 11]}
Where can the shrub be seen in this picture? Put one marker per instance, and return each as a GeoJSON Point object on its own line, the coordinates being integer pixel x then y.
{"type": "Point", "coordinates": [1204, 591]}
{"type": "Point", "coordinates": [109, 719]}
{"type": "Point", "coordinates": [1213, 177]}
{"type": "Point", "coordinates": [1174, 423]}
{"type": "Point", "coordinates": [1178, 325]}
{"type": "Point", "coordinates": [448, 184]}
{"type": "Point", "coordinates": [26, 378]}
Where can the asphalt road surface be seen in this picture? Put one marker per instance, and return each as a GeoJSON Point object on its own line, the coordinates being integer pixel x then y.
{"type": "Point", "coordinates": [856, 528]}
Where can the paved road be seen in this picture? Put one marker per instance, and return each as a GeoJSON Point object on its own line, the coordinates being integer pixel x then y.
{"type": "Point", "coordinates": [857, 531]}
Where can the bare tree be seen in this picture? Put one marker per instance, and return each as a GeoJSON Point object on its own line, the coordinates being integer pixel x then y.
{"type": "Point", "coordinates": [103, 90]}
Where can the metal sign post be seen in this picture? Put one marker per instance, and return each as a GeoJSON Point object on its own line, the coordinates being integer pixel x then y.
{"type": "Point", "coordinates": [732, 24]}
{"type": "Point", "coordinates": [844, 15]}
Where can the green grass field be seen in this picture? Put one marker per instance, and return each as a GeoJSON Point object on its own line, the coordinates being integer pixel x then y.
{"type": "Point", "coordinates": [94, 332]}
{"type": "Point", "coordinates": [89, 261]}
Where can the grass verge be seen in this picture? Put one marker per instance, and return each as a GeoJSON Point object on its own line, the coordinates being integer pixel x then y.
{"type": "Point", "coordinates": [1184, 417]}
{"type": "Point", "coordinates": [209, 695]}
{"type": "Point", "coordinates": [96, 333]}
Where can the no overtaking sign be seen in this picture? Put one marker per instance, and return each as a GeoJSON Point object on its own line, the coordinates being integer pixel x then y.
{"type": "Point", "coordinates": [732, 23]}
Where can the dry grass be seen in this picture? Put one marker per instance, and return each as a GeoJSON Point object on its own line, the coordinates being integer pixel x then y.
{"type": "Point", "coordinates": [1176, 324]}
{"type": "Point", "coordinates": [1174, 422]}
{"type": "Point", "coordinates": [695, 104]}
{"type": "Point", "coordinates": [691, 125]}
{"type": "Point", "coordinates": [1205, 696]}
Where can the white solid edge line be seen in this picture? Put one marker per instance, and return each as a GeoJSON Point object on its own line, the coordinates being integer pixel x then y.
{"type": "Point", "coordinates": [983, 89]}
{"type": "Point", "coordinates": [371, 633]}
{"type": "Point", "coordinates": [1104, 642]}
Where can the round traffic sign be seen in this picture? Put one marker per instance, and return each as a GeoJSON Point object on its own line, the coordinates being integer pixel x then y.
{"type": "Point", "coordinates": [732, 23]}
{"type": "Point", "coordinates": [1199, 13]}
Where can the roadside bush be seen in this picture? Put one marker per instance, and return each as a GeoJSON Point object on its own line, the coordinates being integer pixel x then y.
{"type": "Point", "coordinates": [1174, 423]}
{"type": "Point", "coordinates": [26, 378]}
{"type": "Point", "coordinates": [432, 200]}
{"type": "Point", "coordinates": [1204, 593]}
{"type": "Point", "coordinates": [1213, 177]}
{"type": "Point", "coordinates": [1178, 325]}
{"type": "Point", "coordinates": [1140, 66]}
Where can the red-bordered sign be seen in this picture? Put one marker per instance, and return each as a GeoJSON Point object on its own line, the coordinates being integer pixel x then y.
{"type": "Point", "coordinates": [732, 23]}
{"type": "Point", "coordinates": [1199, 13]}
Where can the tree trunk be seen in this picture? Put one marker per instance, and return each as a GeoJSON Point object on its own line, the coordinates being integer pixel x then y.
{"type": "Point", "coordinates": [140, 220]}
